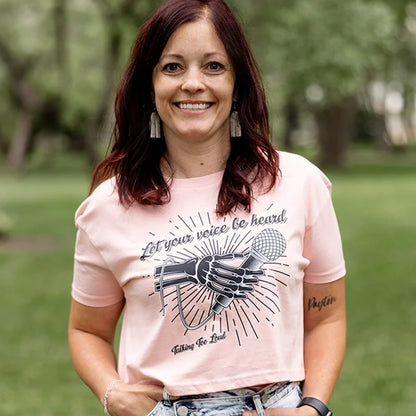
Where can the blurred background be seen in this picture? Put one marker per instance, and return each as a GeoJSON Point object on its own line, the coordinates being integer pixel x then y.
{"type": "Point", "coordinates": [341, 83]}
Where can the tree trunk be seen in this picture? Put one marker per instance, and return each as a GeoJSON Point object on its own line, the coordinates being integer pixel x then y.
{"type": "Point", "coordinates": [335, 126]}
{"type": "Point", "coordinates": [3, 144]}
{"type": "Point", "coordinates": [408, 113]}
{"type": "Point", "coordinates": [291, 117]}
{"type": "Point", "coordinates": [383, 139]}
{"type": "Point", "coordinates": [20, 142]}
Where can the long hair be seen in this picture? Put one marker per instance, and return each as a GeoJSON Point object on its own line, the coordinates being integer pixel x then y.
{"type": "Point", "coordinates": [135, 158]}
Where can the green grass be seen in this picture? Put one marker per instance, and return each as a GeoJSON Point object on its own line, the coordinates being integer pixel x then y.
{"type": "Point", "coordinates": [36, 375]}
{"type": "Point", "coordinates": [375, 201]}
{"type": "Point", "coordinates": [376, 209]}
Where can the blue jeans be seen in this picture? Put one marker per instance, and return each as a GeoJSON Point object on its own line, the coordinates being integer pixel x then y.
{"type": "Point", "coordinates": [232, 402]}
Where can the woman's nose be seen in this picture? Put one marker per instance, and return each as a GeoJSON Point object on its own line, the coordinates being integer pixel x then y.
{"type": "Point", "coordinates": [193, 81]}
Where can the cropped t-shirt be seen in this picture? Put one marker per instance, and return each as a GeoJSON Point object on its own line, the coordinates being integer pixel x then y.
{"type": "Point", "coordinates": [212, 303]}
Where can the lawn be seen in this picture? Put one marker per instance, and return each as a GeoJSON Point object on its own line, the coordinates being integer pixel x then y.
{"type": "Point", "coordinates": [375, 201]}
{"type": "Point", "coordinates": [376, 208]}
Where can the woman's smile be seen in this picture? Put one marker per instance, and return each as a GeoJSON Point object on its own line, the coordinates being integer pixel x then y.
{"type": "Point", "coordinates": [193, 107]}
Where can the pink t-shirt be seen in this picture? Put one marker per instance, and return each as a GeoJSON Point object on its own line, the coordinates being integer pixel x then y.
{"type": "Point", "coordinates": [211, 303]}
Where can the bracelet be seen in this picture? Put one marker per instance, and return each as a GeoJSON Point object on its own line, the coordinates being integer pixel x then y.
{"type": "Point", "coordinates": [107, 395]}
{"type": "Point", "coordinates": [319, 406]}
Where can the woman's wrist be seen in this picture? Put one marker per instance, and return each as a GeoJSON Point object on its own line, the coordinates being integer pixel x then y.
{"type": "Point", "coordinates": [307, 411]}
{"type": "Point", "coordinates": [107, 395]}
{"type": "Point", "coordinates": [316, 404]}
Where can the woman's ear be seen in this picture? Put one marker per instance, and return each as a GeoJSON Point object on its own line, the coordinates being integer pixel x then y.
{"type": "Point", "coordinates": [235, 95]}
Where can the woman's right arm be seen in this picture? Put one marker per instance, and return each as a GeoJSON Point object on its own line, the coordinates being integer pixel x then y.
{"type": "Point", "coordinates": [91, 334]}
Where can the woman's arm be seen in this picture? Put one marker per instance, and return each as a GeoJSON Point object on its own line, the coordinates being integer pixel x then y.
{"type": "Point", "coordinates": [325, 337]}
{"type": "Point", "coordinates": [91, 337]}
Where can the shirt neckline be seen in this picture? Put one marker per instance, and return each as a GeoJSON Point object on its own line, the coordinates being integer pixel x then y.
{"type": "Point", "coordinates": [197, 182]}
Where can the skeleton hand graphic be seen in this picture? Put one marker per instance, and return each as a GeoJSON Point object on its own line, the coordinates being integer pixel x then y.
{"type": "Point", "coordinates": [232, 282]}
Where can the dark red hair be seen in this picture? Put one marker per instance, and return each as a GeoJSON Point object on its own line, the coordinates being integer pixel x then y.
{"type": "Point", "coordinates": [135, 158]}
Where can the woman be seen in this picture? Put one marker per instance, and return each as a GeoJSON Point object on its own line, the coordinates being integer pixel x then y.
{"type": "Point", "coordinates": [223, 254]}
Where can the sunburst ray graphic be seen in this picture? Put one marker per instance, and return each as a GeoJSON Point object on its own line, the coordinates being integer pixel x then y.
{"type": "Point", "coordinates": [193, 304]}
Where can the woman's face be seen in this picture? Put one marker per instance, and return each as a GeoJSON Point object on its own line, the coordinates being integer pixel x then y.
{"type": "Point", "coordinates": [193, 85]}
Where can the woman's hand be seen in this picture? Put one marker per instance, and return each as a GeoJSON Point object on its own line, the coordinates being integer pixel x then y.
{"type": "Point", "coordinates": [301, 411]}
{"type": "Point", "coordinates": [133, 399]}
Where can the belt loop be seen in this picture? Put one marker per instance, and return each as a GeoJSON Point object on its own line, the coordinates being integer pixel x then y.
{"type": "Point", "coordinates": [258, 404]}
{"type": "Point", "coordinates": [166, 398]}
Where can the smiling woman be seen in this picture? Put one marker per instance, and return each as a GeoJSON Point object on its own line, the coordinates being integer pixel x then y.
{"type": "Point", "coordinates": [142, 163]}
{"type": "Point", "coordinates": [220, 250]}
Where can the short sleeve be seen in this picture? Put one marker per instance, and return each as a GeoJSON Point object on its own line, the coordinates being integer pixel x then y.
{"type": "Point", "coordinates": [93, 283]}
{"type": "Point", "coordinates": [322, 241]}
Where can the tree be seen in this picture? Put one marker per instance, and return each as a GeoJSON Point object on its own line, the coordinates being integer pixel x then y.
{"type": "Point", "coordinates": [20, 64]}
{"type": "Point", "coordinates": [327, 51]}
{"type": "Point", "coordinates": [60, 71]}
{"type": "Point", "coordinates": [402, 61]}
{"type": "Point", "coordinates": [58, 76]}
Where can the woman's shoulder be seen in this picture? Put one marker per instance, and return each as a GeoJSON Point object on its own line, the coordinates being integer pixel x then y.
{"type": "Point", "coordinates": [106, 189]}
{"type": "Point", "coordinates": [293, 165]}
{"type": "Point", "coordinates": [293, 161]}
{"type": "Point", "coordinates": [103, 198]}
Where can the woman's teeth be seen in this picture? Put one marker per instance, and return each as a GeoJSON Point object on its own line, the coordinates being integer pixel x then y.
{"type": "Point", "coordinates": [194, 107]}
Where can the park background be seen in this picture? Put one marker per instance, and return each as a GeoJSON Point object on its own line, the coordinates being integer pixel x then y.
{"type": "Point", "coordinates": [341, 80]}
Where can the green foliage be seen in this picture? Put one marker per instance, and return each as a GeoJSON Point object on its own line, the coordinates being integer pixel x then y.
{"type": "Point", "coordinates": [331, 44]}
{"type": "Point", "coordinates": [403, 59]}
{"type": "Point", "coordinates": [86, 62]}
{"type": "Point", "coordinates": [91, 27]}
{"type": "Point", "coordinates": [63, 51]}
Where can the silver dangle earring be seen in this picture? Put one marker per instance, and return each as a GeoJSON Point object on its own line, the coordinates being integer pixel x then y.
{"type": "Point", "coordinates": [235, 126]}
{"type": "Point", "coordinates": [155, 130]}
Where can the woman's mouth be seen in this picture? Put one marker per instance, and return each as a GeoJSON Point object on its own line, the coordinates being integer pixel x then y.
{"type": "Point", "coordinates": [193, 106]}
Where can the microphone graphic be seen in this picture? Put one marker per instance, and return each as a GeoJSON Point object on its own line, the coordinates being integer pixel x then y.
{"type": "Point", "coordinates": [268, 246]}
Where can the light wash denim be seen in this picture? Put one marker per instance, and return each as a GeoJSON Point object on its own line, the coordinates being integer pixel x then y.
{"type": "Point", "coordinates": [232, 402]}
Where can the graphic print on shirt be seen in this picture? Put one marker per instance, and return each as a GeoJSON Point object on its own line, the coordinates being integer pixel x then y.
{"type": "Point", "coordinates": [210, 283]}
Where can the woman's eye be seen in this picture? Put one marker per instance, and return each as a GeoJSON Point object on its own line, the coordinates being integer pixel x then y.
{"type": "Point", "coordinates": [172, 67]}
{"type": "Point", "coordinates": [215, 66]}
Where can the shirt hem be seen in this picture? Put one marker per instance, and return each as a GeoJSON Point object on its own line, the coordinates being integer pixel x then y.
{"type": "Point", "coordinates": [234, 383]}
{"type": "Point", "coordinates": [94, 302]}
{"type": "Point", "coordinates": [329, 277]}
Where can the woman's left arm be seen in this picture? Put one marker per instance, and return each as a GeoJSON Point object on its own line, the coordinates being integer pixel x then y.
{"type": "Point", "coordinates": [325, 337]}
{"type": "Point", "coordinates": [324, 344]}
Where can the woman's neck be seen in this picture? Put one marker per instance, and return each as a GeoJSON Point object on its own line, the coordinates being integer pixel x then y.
{"type": "Point", "coordinates": [194, 160]}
